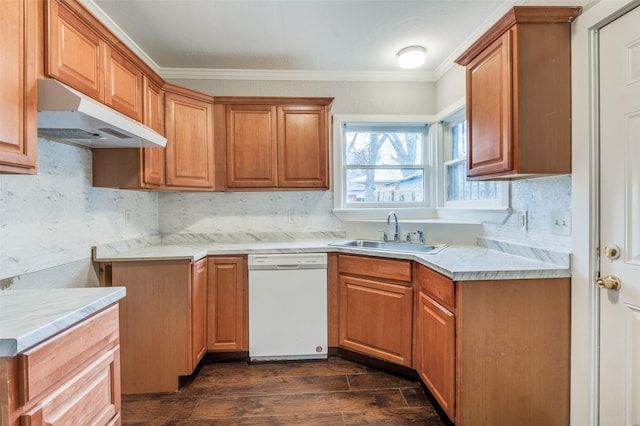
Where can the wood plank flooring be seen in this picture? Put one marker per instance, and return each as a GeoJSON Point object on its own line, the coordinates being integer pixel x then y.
{"type": "Point", "coordinates": [331, 392]}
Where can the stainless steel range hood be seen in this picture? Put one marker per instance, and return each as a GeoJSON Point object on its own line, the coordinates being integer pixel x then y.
{"type": "Point", "coordinates": [67, 115]}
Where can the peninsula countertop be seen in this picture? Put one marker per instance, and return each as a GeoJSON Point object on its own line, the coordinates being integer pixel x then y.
{"type": "Point", "coordinates": [28, 317]}
{"type": "Point", "coordinates": [492, 261]}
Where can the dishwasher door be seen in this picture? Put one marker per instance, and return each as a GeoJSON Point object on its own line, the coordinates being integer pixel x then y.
{"type": "Point", "coordinates": [288, 306]}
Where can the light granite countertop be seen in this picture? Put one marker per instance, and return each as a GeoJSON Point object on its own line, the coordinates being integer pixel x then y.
{"type": "Point", "coordinates": [28, 317]}
{"type": "Point", "coordinates": [492, 260]}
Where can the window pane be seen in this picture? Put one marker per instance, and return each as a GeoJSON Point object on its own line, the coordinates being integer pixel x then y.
{"type": "Point", "coordinates": [384, 147]}
{"type": "Point", "coordinates": [459, 189]}
{"type": "Point", "coordinates": [385, 185]}
{"type": "Point", "coordinates": [459, 146]}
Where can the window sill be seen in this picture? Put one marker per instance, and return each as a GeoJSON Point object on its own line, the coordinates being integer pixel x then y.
{"type": "Point", "coordinates": [426, 215]}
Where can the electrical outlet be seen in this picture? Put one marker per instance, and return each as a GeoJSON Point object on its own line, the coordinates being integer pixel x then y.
{"type": "Point", "coordinates": [560, 222]}
{"type": "Point", "coordinates": [523, 220]}
{"type": "Point", "coordinates": [292, 216]}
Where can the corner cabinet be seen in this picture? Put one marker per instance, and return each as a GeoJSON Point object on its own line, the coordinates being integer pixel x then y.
{"type": "Point", "coordinates": [272, 143]}
{"type": "Point", "coordinates": [494, 352]}
{"type": "Point", "coordinates": [518, 77]}
{"type": "Point", "coordinates": [19, 31]}
{"type": "Point", "coordinates": [162, 322]}
{"type": "Point", "coordinates": [375, 307]}
{"type": "Point", "coordinates": [227, 304]}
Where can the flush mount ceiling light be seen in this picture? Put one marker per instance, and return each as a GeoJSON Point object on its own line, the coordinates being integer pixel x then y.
{"type": "Point", "coordinates": [411, 57]}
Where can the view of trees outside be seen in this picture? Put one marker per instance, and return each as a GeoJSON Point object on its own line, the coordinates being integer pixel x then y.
{"type": "Point", "coordinates": [385, 164]}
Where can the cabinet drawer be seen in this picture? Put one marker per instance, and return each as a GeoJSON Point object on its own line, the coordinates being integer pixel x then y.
{"type": "Point", "coordinates": [398, 270]}
{"type": "Point", "coordinates": [90, 397]}
{"type": "Point", "coordinates": [437, 286]}
{"type": "Point", "coordinates": [53, 360]}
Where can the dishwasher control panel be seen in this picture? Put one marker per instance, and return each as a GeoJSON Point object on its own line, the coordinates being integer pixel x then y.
{"type": "Point", "coordinates": [288, 261]}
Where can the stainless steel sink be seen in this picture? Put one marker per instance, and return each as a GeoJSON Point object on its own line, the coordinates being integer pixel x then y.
{"type": "Point", "coordinates": [390, 246]}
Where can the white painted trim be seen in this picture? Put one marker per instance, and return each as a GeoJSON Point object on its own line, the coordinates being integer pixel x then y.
{"type": "Point", "coordinates": [448, 62]}
{"type": "Point", "coordinates": [294, 75]}
{"type": "Point", "coordinates": [119, 32]}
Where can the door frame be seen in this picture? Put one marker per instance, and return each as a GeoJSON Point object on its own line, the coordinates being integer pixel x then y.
{"type": "Point", "coordinates": [585, 316]}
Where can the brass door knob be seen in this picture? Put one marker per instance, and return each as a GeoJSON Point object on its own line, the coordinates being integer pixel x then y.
{"type": "Point", "coordinates": [609, 282]}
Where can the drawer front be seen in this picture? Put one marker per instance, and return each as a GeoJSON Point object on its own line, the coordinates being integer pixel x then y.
{"type": "Point", "coordinates": [397, 270]}
{"type": "Point", "coordinates": [92, 397]}
{"type": "Point", "coordinates": [52, 361]}
{"type": "Point", "coordinates": [437, 286]}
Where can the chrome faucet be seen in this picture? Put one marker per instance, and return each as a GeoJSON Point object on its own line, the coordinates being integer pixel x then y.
{"type": "Point", "coordinates": [396, 234]}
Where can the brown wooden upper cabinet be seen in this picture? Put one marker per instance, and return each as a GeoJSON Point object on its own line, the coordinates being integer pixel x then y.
{"type": "Point", "coordinates": [189, 157]}
{"type": "Point", "coordinates": [272, 143]}
{"type": "Point", "coordinates": [18, 89]}
{"type": "Point", "coordinates": [135, 168]}
{"type": "Point", "coordinates": [78, 55]}
{"type": "Point", "coordinates": [519, 95]}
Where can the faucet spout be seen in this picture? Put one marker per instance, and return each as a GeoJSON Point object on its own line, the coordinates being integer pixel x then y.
{"type": "Point", "coordinates": [396, 235]}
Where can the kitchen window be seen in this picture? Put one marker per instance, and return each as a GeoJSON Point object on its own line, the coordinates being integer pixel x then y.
{"type": "Point", "coordinates": [384, 164]}
{"type": "Point", "coordinates": [415, 165]}
{"type": "Point", "coordinates": [458, 191]}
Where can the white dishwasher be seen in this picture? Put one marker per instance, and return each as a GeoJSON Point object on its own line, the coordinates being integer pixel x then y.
{"type": "Point", "coordinates": [288, 306]}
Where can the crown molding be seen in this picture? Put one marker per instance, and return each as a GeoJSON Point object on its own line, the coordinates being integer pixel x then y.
{"type": "Point", "coordinates": [293, 75]}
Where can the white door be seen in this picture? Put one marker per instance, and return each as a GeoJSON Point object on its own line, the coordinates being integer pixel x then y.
{"type": "Point", "coordinates": [620, 220]}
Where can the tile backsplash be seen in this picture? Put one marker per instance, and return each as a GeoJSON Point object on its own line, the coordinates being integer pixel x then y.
{"type": "Point", "coordinates": [233, 212]}
{"type": "Point", "coordinates": [54, 217]}
{"type": "Point", "coordinates": [50, 221]}
{"type": "Point", "coordinates": [540, 198]}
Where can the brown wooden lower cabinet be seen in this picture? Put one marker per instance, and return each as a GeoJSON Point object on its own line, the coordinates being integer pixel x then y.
{"type": "Point", "coordinates": [162, 321]}
{"type": "Point", "coordinates": [71, 378]}
{"type": "Point", "coordinates": [511, 351]}
{"type": "Point", "coordinates": [376, 302]}
{"type": "Point", "coordinates": [227, 304]}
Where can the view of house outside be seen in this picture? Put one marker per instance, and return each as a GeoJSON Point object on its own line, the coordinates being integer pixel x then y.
{"type": "Point", "coordinates": [385, 164]}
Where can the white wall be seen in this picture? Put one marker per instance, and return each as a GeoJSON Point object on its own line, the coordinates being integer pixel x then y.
{"type": "Point", "coordinates": [350, 97]}
{"type": "Point", "coordinates": [53, 218]}
{"type": "Point", "coordinates": [450, 87]}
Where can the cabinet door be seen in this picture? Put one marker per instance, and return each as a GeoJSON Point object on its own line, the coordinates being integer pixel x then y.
{"type": "Point", "coordinates": [75, 53]}
{"type": "Point", "coordinates": [435, 327]}
{"type": "Point", "coordinates": [189, 150]}
{"type": "Point", "coordinates": [489, 106]}
{"type": "Point", "coordinates": [198, 311]}
{"type": "Point", "coordinates": [303, 149]}
{"type": "Point", "coordinates": [376, 319]}
{"type": "Point", "coordinates": [18, 94]}
{"type": "Point", "coordinates": [153, 158]}
{"type": "Point", "coordinates": [227, 304]}
{"type": "Point", "coordinates": [251, 146]}
{"type": "Point", "coordinates": [123, 91]}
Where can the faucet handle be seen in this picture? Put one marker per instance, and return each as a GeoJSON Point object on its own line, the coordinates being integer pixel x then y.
{"type": "Point", "coordinates": [385, 237]}
{"type": "Point", "coordinates": [409, 234]}
{"type": "Point", "coordinates": [420, 236]}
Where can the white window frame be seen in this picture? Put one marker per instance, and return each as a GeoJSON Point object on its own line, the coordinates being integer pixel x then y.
{"type": "Point", "coordinates": [447, 123]}
{"type": "Point", "coordinates": [435, 208]}
{"type": "Point", "coordinates": [354, 211]}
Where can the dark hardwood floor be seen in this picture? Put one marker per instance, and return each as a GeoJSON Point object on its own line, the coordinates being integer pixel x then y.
{"type": "Point", "coordinates": [332, 392]}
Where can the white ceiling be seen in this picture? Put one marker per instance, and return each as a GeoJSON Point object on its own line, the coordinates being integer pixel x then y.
{"type": "Point", "coordinates": [298, 39]}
